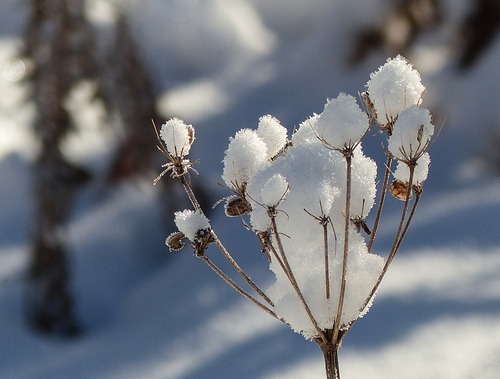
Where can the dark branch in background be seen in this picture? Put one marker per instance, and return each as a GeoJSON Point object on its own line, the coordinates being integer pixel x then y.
{"type": "Point", "coordinates": [478, 31]}
{"type": "Point", "coordinates": [407, 20]}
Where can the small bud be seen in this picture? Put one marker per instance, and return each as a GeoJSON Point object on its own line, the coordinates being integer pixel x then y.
{"type": "Point", "coordinates": [399, 189]}
{"type": "Point", "coordinates": [174, 241]}
{"type": "Point", "coordinates": [237, 206]}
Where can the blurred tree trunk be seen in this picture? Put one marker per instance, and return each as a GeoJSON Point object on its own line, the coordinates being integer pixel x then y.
{"type": "Point", "coordinates": [54, 29]}
{"type": "Point", "coordinates": [62, 46]}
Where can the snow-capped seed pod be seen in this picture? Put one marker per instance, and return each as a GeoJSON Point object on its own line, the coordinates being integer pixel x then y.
{"type": "Point", "coordinates": [399, 189]}
{"type": "Point", "coordinates": [411, 134]}
{"type": "Point", "coordinates": [236, 206]}
{"type": "Point", "coordinates": [342, 123]}
{"type": "Point", "coordinates": [420, 172]}
{"type": "Point", "coordinates": [273, 134]}
{"type": "Point", "coordinates": [190, 223]}
{"type": "Point", "coordinates": [174, 241]}
{"type": "Point", "coordinates": [178, 137]}
{"type": "Point", "coordinates": [394, 86]}
{"type": "Point", "coordinates": [245, 155]}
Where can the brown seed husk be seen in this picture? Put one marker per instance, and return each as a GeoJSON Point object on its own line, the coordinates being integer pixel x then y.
{"type": "Point", "coordinates": [174, 241]}
{"type": "Point", "coordinates": [237, 206]}
{"type": "Point", "coordinates": [399, 189]}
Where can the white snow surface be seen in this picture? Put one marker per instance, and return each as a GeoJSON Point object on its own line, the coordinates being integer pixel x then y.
{"type": "Point", "coordinates": [150, 313]}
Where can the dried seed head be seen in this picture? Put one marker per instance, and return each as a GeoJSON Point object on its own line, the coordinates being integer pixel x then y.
{"type": "Point", "coordinates": [174, 241]}
{"type": "Point", "coordinates": [237, 206]}
{"type": "Point", "coordinates": [399, 189]}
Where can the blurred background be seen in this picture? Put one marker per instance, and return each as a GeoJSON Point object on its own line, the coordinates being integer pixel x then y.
{"type": "Point", "coordinates": [87, 287]}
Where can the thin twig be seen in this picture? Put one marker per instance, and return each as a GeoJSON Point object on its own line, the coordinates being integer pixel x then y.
{"type": "Point", "coordinates": [327, 270]}
{"type": "Point", "coordinates": [238, 288]}
{"type": "Point", "coordinates": [228, 256]}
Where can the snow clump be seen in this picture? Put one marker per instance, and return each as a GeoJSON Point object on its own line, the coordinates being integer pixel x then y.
{"type": "Point", "coordinates": [190, 222]}
{"type": "Point", "coordinates": [245, 155]}
{"type": "Point", "coordinates": [395, 86]}
{"type": "Point", "coordinates": [411, 134]}
{"type": "Point", "coordinates": [342, 122]}
{"type": "Point", "coordinates": [272, 133]}
{"type": "Point", "coordinates": [178, 137]}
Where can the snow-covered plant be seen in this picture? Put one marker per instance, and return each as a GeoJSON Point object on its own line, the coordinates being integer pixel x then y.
{"type": "Point", "coordinates": [307, 197]}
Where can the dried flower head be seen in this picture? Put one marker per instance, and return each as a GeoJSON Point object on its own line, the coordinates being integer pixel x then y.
{"type": "Point", "coordinates": [175, 138]}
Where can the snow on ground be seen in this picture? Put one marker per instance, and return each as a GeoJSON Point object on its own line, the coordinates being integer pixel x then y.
{"type": "Point", "coordinates": [150, 313]}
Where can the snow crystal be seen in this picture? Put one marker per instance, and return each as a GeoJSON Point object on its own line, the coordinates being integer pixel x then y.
{"type": "Point", "coordinates": [411, 134]}
{"type": "Point", "coordinates": [395, 86]}
{"type": "Point", "coordinates": [342, 122]}
{"type": "Point", "coordinates": [189, 222]}
{"type": "Point", "coordinates": [274, 190]}
{"type": "Point", "coordinates": [178, 137]}
{"type": "Point", "coordinates": [245, 155]}
{"type": "Point", "coordinates": [272, 133]}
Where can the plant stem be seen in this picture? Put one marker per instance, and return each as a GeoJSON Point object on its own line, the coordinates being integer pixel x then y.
{"type": "Point", "coordinates": [330, 354]}
{"type": "Point", "coordinates": [381, 202]}
{"type": "Point", "coordinates": [327, 270]}
{"type": "Point", "coordinates": [238, 288]}
{"type": "Point", "coordinates": [336, 327]}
